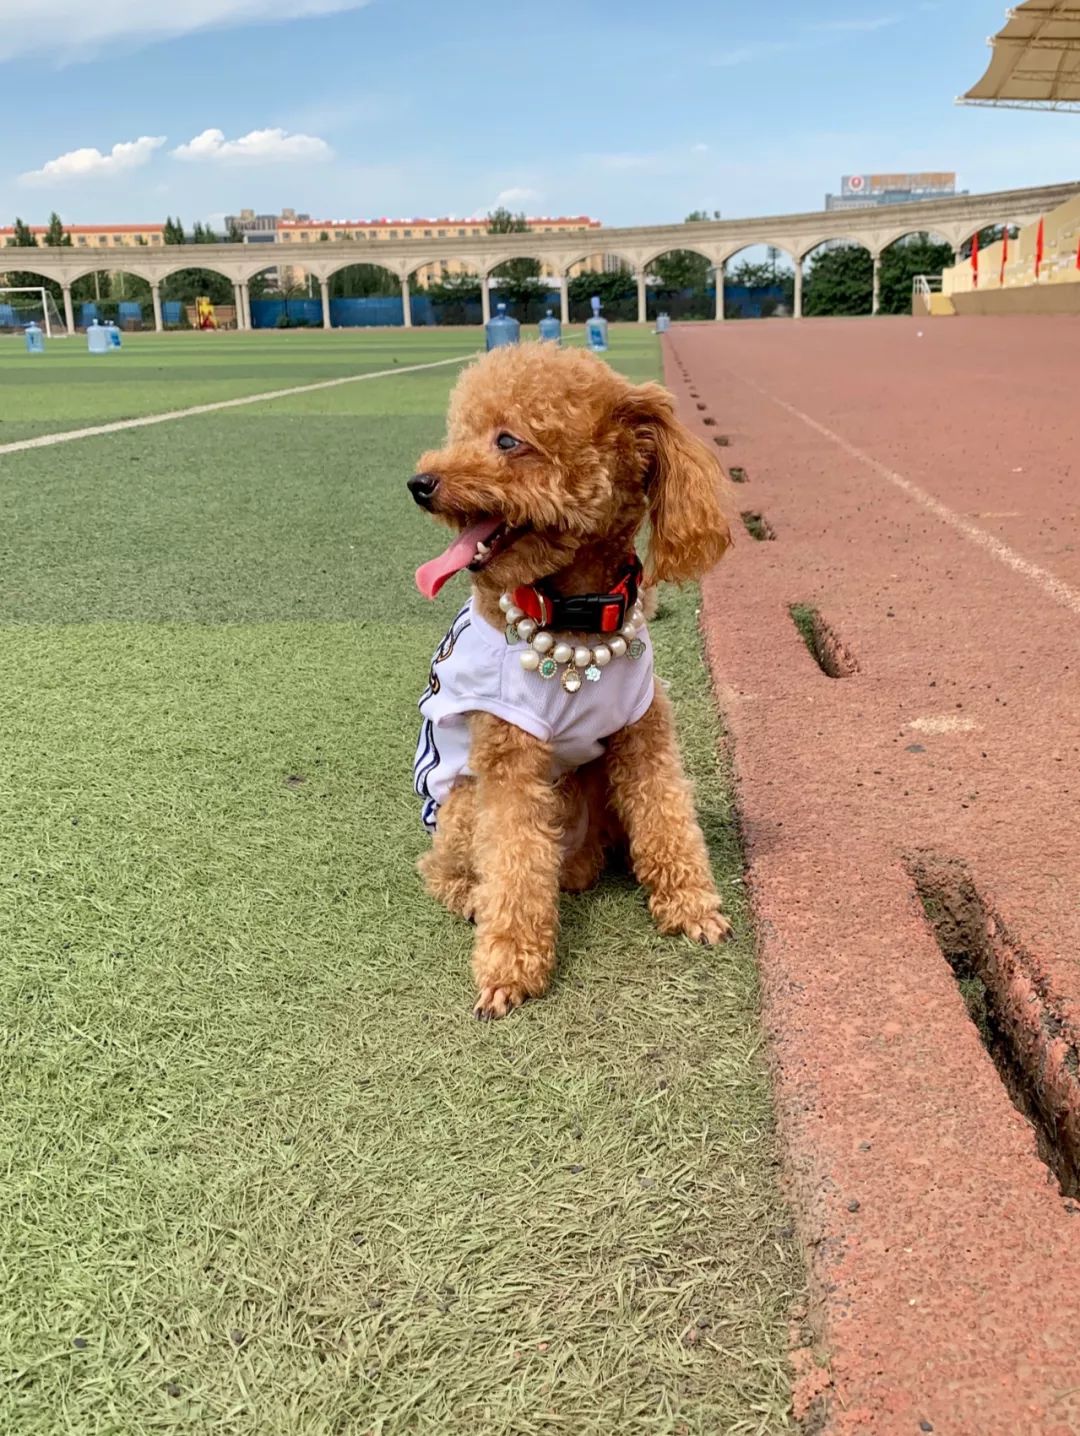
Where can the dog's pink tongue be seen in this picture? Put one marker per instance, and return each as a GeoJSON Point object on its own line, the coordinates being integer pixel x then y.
{"type": "Point", "coordinates": [431, 576]}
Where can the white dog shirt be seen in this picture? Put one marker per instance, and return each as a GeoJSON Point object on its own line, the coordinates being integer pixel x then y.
{"type": "Point", "coordinates": [476, 670]}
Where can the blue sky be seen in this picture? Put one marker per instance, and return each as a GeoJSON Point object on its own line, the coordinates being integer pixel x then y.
{"type": "Point", "coordinates": [130, 109]}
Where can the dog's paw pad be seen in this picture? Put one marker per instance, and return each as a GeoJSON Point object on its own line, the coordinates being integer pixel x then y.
{"type": "Point", "coordinates": [496, 1002]}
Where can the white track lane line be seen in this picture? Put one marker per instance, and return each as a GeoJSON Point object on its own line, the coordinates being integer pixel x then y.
{"type": "Point", "coordinates": [43, 441]}
{"type": "Point", "coordinates": [1054, 587]}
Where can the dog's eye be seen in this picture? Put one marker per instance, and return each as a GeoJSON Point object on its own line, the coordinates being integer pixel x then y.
{"type": "Point", "coordinates": [506, 442]}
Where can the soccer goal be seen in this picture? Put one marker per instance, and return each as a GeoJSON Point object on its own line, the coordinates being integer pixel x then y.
{"type": "Point", "coordinates": [20, 306]}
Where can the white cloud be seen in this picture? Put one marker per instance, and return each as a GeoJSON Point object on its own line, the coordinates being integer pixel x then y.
{"type": "Point", "coordinates": [257, 147]}
{"type": "Point", "coordinates": [747, 54]}
{"type": "Point", "coordinates": [700, 148]}
{"type": "Point", "coordinates": [867, 26]}
{"type": "Point", "coordinates": [624, 161]}
{"type": "Point", "coordinates": [90, 163]}
{"type": "Point", "coordinates": [516, 194]}
{"type": "Point", "coordinates": [71, 30]}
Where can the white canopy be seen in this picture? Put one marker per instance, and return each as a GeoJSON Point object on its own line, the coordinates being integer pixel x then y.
{"type": "Point", "coordinates": [1035, 62]}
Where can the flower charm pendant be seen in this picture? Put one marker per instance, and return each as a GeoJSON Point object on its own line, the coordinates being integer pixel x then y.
{"type": "Point", "coordinates": [592, 673]}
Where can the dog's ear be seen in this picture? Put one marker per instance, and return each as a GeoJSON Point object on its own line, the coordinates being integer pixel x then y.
{"type": "Point", "coordinates": [690, 530]}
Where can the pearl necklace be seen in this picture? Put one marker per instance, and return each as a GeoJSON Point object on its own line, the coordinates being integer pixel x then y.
{"type": "Point", "coordinates": [545, 655]}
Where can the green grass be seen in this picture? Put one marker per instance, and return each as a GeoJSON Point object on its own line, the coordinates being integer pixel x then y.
{"type": "Point", "coordinates": [263, 1173]}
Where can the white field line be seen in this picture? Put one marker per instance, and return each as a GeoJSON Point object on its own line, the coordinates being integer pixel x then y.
{"type": "Point", "coordinates": [43, 441]}
{"type": "Point", "coordinates": [1054, 587]}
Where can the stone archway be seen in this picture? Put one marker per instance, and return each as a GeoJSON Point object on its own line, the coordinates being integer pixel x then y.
{"type": "Point", "coordinates": [445, 289]}
{"type": "Point", "coordinates": [365, 294]}
{"type": "Point", "coordinates": [521, 284]}
{"type": "Point", "coordinates": [841, 277]}
{"type": "Point", "coordinates": [765, 283]}
{"type": "Point", "coordinates": [903, 257]}
{"type": "Point", "coordinates": [609, 274]}
{"type": "Point", "coordinates": [686, 282]}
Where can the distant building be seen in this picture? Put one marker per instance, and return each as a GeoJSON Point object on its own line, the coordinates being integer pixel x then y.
{"type": "Point", "coordinates": [96, 236]}
{"type": "Point", "coordinates": [868, 191]}
{"type": "Point", "coordinates": [290, 227]}
{"type": "Point", "coordinates": [261, 228]}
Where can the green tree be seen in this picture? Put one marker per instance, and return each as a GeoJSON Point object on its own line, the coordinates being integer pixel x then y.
{"type": "Point", "coordinates": [988, 236]}
{"type": "Point", "coordinates": [902, 261]}
{"type": "Point", "coordinates": [501, 221]}
{"type": "Point", "coordinates": [840, 281]}
{"type": "Point", "coordinates": [235, 234]}
{"type": "Point", "coordinates": [90, 288]}
{"type": "Point", "coordinates": [324, 238]}
{"type": "Point", "coordinates": [517, 278]}
{"type": "Point", "coordinates": [457, 297]}
{"type": "Point", "coordinates": [54, 234]}
{"type": "Point", "coordinates": [616, 289]}
{"type": "Point", "coordinates": [364, 281]}
{"type": "Point", "coordinates": [23, 236]}
{"type": "Point", "coordinates": [681, 269]}
{"type": "Point", "coordinates": [753, 276]}
{"type": "Point", "coordinates": [188, 284]}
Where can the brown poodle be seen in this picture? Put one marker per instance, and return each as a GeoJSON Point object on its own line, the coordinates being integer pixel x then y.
{"type": "Point", "coordinates": [546, 742]}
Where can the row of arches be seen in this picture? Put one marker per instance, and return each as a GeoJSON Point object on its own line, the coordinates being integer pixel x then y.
{"type": "Point", "coordinates": [244, 273]}
{"type": "Point", "coordinates": [646, 278]}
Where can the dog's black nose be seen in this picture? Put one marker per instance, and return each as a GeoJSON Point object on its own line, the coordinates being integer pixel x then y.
{"type": "Point", "coordinates": [422, 487]}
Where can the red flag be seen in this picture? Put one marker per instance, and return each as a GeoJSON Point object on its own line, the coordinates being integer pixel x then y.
{"type": "Point", "coordinates": [1039, 247]}
{"type": "Point", "coordinates": [1004, 255]}
{"type": "Point", "coordinates": [975, 259]}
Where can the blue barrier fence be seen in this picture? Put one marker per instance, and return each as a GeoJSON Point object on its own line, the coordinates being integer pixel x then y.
{"type": "Point", "coordinates": [752, 301]}
{"type": "Point", "coordinates": [376, 310]}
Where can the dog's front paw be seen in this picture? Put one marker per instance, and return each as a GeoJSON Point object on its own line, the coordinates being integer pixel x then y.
{"type": "Point", "coordinates": [507, 972]}
{"type": "Point", "coordinates": [698, 917]}
{"type": "Point", "coordinates": [496, 1002]}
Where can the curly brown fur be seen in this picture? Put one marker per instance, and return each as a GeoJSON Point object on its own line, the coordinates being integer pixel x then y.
{"type": "Point", "coordinates": [595, 458]}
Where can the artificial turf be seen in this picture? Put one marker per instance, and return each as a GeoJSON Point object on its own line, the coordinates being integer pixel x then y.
{"type": "Point", "coordinates": [263, 1173]}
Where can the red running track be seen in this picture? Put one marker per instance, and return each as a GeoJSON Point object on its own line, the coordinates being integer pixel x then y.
{"type": "Point", "coordinates": [922, 479]}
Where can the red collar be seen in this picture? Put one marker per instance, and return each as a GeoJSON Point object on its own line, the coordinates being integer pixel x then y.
{"type": "Point", "coordinates": [586, 612]}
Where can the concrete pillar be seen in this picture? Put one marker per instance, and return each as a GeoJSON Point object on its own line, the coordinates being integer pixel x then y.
{"type": "Point", "coordinates": [877, 285]}
{"type": "Point", "coordinates": [238, 301]}
{"type": "Point", "coordinates": [324, 291]}
{"type": "Point", "coordinates": [564, 299]}
{"type": "Point", "coordinates": [245, 302]}
{"type": "Point", "coordinates": [797, 310]}
{"type": "Point", "coordinates": [485, 299]}
{"type": "Point", "coordinates": [406, 302]}
{"type": "Point", "coordinates": [719, 314]}
{"type": "Point", "coordinates": [155, 295]}
{"type": "Point", "coordinates": [642, 300]}
{"type": "Point", "coordinates": [69, 309]}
